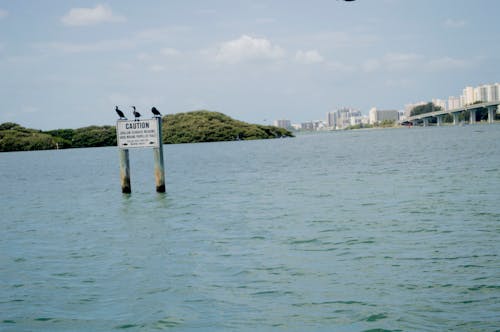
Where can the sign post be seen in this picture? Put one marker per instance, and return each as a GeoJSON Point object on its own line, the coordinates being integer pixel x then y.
{"type": "Point", "coordinates": [125, 172]}
{"type": "Point", "coordinates": [159, 168]}
{"type": "Point", "coordinates": [140, 134]}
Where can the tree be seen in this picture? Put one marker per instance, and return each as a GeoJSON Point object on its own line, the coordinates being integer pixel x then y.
{"type": "Point", "coordinates": [427, 108]}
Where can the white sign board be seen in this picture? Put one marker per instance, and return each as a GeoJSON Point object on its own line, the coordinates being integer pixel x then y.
{"type": "Point", "coordinates": [137, 133]}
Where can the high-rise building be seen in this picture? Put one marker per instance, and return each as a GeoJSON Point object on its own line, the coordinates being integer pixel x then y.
{"type": "Point", "coordinates": [283, 124]}
{"type": "Point", "coordinates": [342, 118]}
{"type": "Point", "coordinates": [481, 93]}
{"type": "Point", "coordinates": [307, 125]}
{"type": "Point", "coordinates": [345, 116]}
{"type": "Point", "coordinates": [468, 96]}
{"type": "Point", "coordinates": [377, 116]}
{"type": "Point", "coordinates": [493, 92]}
{"type": "Point", "coordinates": [331, 119]}
{"type": "Point", "coordinates": [454, 102]}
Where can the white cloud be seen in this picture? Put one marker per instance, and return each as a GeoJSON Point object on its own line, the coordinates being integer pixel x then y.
{"type": "Point", "coordinates": [137, 39]}
{"type": "Point", "coordinates": [160, 34]}
{"type": "Point", "coordinates": [169, 52]}
{"type": "Point", "coordinates": [343, 39]}
{"type": "Point", "coordinates": [309, 57]}
{"type": "Point", "coordinates": [451, 23]}
{"type": "Point", "coordinates": [399, 61]}
{"type": "Point", "coordinates": [157, 68]}
{"type": "Point", "coordinates": [143, 56]}
{"type": "Point", "coordinates": [446, 63]}
{"type": "Point", "coordinates": [206, 11]}
{"type": "Point", "coordinates": [247, 48]}
{"type": "Point", "coordinates": [398, 83]}
{"type": "Point", "coordinates": [99, 46]}
{"type": "Point", "coordinates": [3, 13]}
{"type": "Point", "coordinates": [337, 66]}
{"type": "Point", "coordinates": [90, 16]}
{"type": "Point", "coordinates": [265, 20]}
{"type": "Point", "coordinates": [393, 62]}
{"type": "Point", "coordinates": [411, 61]}
{"type": "Point", "coordinates": [123, 66]}
{"type": "Point", "coordinates": [29, 109]}
{"type": "Point", "coordinates": [371, 65]}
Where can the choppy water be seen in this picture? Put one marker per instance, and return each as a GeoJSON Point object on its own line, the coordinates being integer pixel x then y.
{"type": "Point", "coordinates": [383, 230]}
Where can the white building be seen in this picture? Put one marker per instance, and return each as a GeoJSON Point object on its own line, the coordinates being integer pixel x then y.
{"type": "Point", "coordinates": [283, 124]}
{"type": "Point", "coordinates": [440, 102]}
{"type": "Point", "coordinates": [468, 96]}
{"type": "Point", "coordinates": [343, 117]}
{"type": "Point", "coordinates": [493, 92]}
{"type": "Point", "coordinates": [377, 116]}
{"type": "Point", "coordinates": [331, 119]}
{"type": "Point", "coordinates": [357, 120]}
{"type": "Point", "coordinates": [481, 93]}
{"type": "Point", "coordinates": [307, 125]}
{"type": "Point", "coordinates": [313, 125]}
{"type": "Point", "coordinates": [454, 102]}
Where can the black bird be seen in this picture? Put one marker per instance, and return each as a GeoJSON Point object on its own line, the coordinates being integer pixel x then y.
{"type": "Point", "coordinates": [136, 114]}
{"type": "Point", "coordinates": [155, 111]}
{"type": "Point", "coordinates": [120, 113]}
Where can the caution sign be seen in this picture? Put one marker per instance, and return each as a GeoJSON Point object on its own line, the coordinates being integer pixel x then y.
{"type": "Point", "coordinates": [138, 133]}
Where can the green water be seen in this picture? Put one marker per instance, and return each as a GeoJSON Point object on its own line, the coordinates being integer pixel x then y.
{"type": "Point", "coordinates": [382, 230]}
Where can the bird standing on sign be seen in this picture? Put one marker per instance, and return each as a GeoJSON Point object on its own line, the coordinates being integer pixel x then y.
{"type": "Point", "coordinates": [120, 113]}
{"type": "Point", "coordinates": [155, 112]}
{"type": "Point", "coordinates": [136, 114]}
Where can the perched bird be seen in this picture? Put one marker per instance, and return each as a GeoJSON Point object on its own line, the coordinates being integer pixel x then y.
{"type": "Point", "coordinates": [155, 111]}
{"type": "Point", "coordinates": [136, 114]}
{"type": "Point", "coordinates": [120, 113]}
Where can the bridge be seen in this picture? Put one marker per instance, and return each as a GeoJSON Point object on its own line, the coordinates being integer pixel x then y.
{"type": "Point", "coordinates": [493, 107]}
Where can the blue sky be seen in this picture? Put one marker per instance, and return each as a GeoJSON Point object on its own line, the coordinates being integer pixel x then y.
{"type": "Point", "coordinates": [66, 64]}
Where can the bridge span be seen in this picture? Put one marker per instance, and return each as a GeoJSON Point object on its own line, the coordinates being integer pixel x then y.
{"type": "Point", "coordinates": [493, 107]}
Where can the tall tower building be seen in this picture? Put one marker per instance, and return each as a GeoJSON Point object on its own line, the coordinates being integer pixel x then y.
{"type": "Point", "coordinates": [454, 102]}
{"type": "Point", "coordinates": [468, 96]}
{"type": "Point", "coordinates": [283, 124]}
{"type": "Point", "coordinates": [493, 92]}
{"type": "Point", "coordinates": [481, 93]}
{"type": "Point", "coordinates": [331, 119]}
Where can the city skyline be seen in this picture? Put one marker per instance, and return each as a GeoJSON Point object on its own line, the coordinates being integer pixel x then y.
{"type": "Point", "coordinates": [67, 64]}
{"type": "Point", "coordinates": [353, 116]}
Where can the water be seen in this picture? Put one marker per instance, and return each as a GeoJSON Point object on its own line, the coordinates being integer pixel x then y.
{"type": "Point", "coordinates": [381, 230]}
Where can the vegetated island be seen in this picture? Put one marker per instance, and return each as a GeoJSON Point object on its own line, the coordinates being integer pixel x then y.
{"type": "Point", "coordinates": [189, 127]}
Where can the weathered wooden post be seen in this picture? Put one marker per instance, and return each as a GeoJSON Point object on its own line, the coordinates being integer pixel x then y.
{"type": "Point", "coordinates": [125, 171]}
{"type": "Point", "coordinates": [158, 155]}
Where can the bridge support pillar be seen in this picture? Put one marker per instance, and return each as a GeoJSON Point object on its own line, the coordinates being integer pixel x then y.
{"type": "Point", "coordinates": [472, 116]}
{"type": "Point", "coordinates": [491, 113]}
{"type": "Point", "coordinates": [426, 122]}
{"type": "Point", "coordinates": [439, 120]}
{"type": "Point", "coordinates": [455, 118]}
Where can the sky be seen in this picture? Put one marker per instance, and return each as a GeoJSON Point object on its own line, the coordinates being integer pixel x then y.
{"type": "Point", "coordinates": [67, 63]}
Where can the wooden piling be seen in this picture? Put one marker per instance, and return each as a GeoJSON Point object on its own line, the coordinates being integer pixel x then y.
{"type": "Point", "coordinates": [125, 171]}
{"type": "Point", "coordinates": [159, 167]}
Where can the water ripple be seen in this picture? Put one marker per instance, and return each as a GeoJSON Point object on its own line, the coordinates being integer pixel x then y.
{"type": "Point", "coordinates": [301, 234]}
